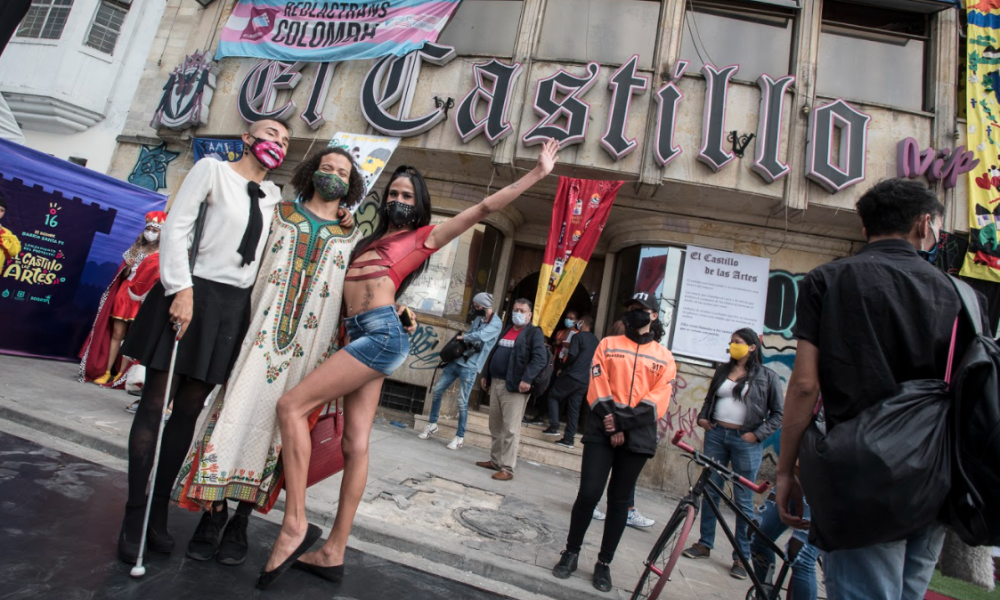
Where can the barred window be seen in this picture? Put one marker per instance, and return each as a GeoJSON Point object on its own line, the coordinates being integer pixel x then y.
{"type": "Point", "coordinates": [45, 19]}
{"type": "Point", "coordinates": [107, 26]}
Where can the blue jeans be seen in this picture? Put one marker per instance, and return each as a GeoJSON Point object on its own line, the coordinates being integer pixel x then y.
{"type": "Point", "coordinates": [466, 378]}
{"type": "Point", "coordinates": [377, 339]}
{"type": "Point", "coordinates": [727, 447]}
{"type": "Point", "coordinates": [802, 583]}
{"type": "Point", "coordinates": [894, 571]}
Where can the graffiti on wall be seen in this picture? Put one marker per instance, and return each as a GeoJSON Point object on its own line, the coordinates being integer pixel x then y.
{"type": "Point", "coordinates": [366, 215]}
{"type": "Point", "coordinates": [682, 415]}
{"type": "Point", "coordinates": [150, 170]}
{"type": "Point", "coordinates": [782, 295]}
{"type": "Point", "coordinates": [423, 348]}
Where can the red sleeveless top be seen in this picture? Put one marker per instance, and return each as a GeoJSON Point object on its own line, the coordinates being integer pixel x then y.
{"type": "Point", "coordinates": [402, 254]}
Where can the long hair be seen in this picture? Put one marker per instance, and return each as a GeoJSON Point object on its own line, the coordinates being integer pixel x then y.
{"type": "Point", "coordinates": [755, 362]}
{"type": "Point", "coordinates": [656, 328]}
{"type": "Point", "coordinates": [422, 206]}
{"type": "Point", "coordinates": [302, 178]}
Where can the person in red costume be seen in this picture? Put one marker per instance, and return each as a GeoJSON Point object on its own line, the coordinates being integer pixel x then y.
{"type": "Point", "coordinates": [139, 271]}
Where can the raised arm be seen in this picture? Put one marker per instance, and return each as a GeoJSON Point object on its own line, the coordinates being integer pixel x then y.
{"type": "Point", "coordinates": [457, 225]}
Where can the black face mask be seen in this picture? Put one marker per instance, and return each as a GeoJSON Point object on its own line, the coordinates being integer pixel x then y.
{"type": "Point", "coordinates": [479, 312]}
{"type": "Point", "coordinates": [400, 215]}
{"type": "Point", "coordinates": [636, 319]}
{"type": "Point", "coordinates": [639, 338]}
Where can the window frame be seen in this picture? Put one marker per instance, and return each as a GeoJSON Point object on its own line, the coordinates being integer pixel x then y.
{"type": "Point", "coordinates": [113, 5]}
{"type": "Point", "coordinates": [876, 35]}
{"type": "Point", "coordinates": [538, 57]}
{"type": "Point", "coordinates": [760, 14]}
{"type": "Point", "coordinates": [49, 6]}
{"type": "Point", "coordinates": [507, 55]}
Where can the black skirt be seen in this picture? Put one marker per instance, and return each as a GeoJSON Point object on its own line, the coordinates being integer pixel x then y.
{"type": "Point", "coordinates": [212, 341]}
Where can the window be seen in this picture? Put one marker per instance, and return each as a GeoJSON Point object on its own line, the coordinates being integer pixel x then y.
{"type": "Point", "coordinates": [604, 31]}
{"type": "Point", "coordinates": [107, 26]}
{"type": "Point", "coordinates": [484, 27]}
{"type": "Point", "coordinates": [653, 269]}
{"type": "Point", "coordinates": [402, 396]}
{"type": "Point", "coordinates": [720, 36]}
{"type": "Point", "coordinates": [456, 273]}
{"type": "Point", "coordinates": [45, 19]}
{"type": "Point", "coordinates": [874, 55]}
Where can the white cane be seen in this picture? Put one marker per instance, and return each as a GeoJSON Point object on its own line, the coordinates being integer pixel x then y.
{"type": "Point", "coordinates": [139, 570]}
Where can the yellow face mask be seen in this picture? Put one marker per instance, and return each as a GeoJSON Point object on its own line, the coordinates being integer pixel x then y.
{"type": "Point", "coordinates": [738, 351]}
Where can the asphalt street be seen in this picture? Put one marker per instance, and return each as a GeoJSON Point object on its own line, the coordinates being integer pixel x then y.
{"type": "Point", "coordinates": [60, 521]}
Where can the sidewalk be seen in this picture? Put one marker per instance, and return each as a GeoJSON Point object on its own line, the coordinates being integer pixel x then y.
{"type": "Point", "coordinates": [422, 499]}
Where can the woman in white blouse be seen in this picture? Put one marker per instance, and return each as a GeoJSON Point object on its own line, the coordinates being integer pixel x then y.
{"type": "Point", "coordinates": [743, 408]}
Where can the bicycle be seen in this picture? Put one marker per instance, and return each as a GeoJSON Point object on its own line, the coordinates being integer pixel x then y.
{"type": "Point", "coordinates": [667, 549]}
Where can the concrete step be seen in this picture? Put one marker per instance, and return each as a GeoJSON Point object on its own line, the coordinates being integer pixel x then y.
{"type": "Point", "coordinates": [534, 446]}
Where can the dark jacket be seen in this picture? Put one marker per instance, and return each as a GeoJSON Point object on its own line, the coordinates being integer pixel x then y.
{"type": "Point", "coordinates": [765, 403]}
{"type": "Point", "coordinates": [527, 359]}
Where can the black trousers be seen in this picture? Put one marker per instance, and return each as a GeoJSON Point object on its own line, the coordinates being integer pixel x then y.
{"type": "Point", "coordinates": [600, 460]}
{"type": "Point", "coordinates": [572, 392]}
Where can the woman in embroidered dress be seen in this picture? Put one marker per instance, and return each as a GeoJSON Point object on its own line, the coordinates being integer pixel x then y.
{"type": "Point", "coordinates": [295, 308]}
{"type": "Point", "coordinates": [382, 266]}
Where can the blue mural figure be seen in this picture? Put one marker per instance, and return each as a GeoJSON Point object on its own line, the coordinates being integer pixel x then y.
{"type": "Point", "coordinates": [150, 170]}
{"type": "Point", "coordinates": [782, 295]}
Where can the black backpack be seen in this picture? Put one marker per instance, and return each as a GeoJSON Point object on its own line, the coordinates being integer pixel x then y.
{"type": "Point", "coordinates": [541, 382]}
{"type": "Point", "coordinates": [972, 508]}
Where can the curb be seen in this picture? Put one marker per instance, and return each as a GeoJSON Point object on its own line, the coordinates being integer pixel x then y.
{"type": "Point", "coordinates": [491, 566]}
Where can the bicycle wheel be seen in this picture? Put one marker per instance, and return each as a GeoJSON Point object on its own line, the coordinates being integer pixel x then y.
{"type": "Point", "coordinates": [667, 550]}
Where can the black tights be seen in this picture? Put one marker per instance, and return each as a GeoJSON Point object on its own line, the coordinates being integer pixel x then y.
{"type": "Point", "coordinates": [600, 459]}
{"type": "Point", "coordinates": [188, 398]}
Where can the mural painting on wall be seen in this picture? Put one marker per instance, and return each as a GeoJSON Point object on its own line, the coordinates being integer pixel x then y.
{"type": "Point", "coordinates": [150, 170]}
{"type": "Point", "coordinates": [982, 260]}
{"type": "Point", "coordinates": [565, 114]}
{"type": "Point", "coordinates": [371, 153]}
{"type": "Point", "coordinates": [224, 150]}
{"type": "Point", "coordinates": [187, 94]}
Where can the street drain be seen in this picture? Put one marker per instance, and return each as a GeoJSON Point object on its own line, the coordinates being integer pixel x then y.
{"type": "Point", "coordinates": [502, 526]}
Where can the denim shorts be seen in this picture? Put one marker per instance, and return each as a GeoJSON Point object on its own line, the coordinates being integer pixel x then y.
{"type": "Point", "coordinates": [377, 339]}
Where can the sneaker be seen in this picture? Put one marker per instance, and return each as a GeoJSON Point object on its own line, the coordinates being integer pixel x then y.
{"type": "Point", "coordinates": [738, 572]}
{"type": "Point", "coordinates": [602, 577]}
{"type": "Point", "coordinates": [638, 521]}
{"type": "Point", "coordinates": [536, 420]}
{"type": "Point", "coordinates": [205, 540]}
{"type": "Point", "coordinates": [428, 431]}
{"type": "Point", "coordinates": [567, 564]}
{"type": "Point", "coordinates": [697, 551]}
{"type": "Point", "coordinates": [234, 545]}
{"type": "Point", "coordinates": [551, 431]}
{"type": "Point", "coordinates": [565, 443]}
{"type": "Point", "coordinates": [598, 515]}
{"type": "Point", "coordinates": [132, 408]}
{"type": "Point", "coordinates": [456, 443]}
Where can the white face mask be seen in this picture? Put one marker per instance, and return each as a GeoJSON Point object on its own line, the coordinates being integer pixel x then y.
{"type": "Point", "coordinates": [151, 236]}
{"type": "Point", "coordinates": [520, 319]}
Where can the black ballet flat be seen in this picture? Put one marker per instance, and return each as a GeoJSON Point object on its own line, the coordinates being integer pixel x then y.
{"type": "Point", "coordinates": [334, 574]}
{"type": "Point", "coordinates": [266, 578]}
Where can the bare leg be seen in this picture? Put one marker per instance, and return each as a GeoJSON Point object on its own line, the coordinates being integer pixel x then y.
{"type": "Point", "coordinates": [338, 377]}
{"type": "Point", "coordinates": [118, 329]}
{"type": "Point", "coordinates": [359, 413]}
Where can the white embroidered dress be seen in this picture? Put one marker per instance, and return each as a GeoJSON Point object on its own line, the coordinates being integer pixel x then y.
{"type": "Point", "coordinates": [294, 326]}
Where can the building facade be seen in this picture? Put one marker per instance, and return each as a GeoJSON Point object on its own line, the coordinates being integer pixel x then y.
{"type": "Point", "coordinates": [71, 71]}
{"type": "Point", "coordinates": [663, 94]}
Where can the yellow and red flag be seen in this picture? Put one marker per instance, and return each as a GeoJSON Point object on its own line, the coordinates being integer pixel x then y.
{"type": "Point", "coordinates": [579, 213]}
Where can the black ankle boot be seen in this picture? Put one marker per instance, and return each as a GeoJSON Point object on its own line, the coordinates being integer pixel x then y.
{"type": "Point", "coordinates": [131, 532]}
{"type": "Point", "coordinates": [158, 539]}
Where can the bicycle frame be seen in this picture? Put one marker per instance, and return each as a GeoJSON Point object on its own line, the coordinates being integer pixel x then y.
{"type": "Point", "coordinates": [711, 466]}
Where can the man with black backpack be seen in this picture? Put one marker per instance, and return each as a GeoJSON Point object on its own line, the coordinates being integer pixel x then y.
{"type": "Point", "coordinates": [518, 358]}
{"type": "Point", "coordinates": [875, 332]}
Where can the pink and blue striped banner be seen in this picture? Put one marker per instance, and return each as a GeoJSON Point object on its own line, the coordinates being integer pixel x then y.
{"type": "Point", "coordinates": [332, 31]}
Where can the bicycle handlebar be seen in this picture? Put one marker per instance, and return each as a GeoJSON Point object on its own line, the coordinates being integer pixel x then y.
{"type": "Point", "coordinates": [758, 489]}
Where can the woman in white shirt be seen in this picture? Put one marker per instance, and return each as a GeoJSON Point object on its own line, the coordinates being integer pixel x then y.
{"type": "Point", "coordinates": [743, 408]}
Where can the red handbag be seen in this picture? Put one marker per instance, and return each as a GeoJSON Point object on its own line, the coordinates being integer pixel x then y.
{"type": "Point", "coordinates": [327, 455]}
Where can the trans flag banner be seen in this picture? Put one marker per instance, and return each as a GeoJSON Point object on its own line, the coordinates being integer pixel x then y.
{"type": "Point", "coordinates": [332, 31]}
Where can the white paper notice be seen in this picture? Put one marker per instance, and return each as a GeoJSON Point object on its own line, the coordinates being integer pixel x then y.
{"type": "Point", "coordinates": [720, 293]}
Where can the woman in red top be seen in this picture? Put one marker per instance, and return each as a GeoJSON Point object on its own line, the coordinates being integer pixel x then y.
{"type": "Point", "coordinates": [382, 266]}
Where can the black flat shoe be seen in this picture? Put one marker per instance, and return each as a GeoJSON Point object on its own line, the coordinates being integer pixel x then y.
{"type": "Point", "coordinates": [334, 574]}
{"type": "Point", "coordinates": [128, 551]}
{"type": "Point", "coordinates": [266, 578]}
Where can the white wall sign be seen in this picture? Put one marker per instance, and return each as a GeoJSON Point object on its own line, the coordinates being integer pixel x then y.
{"type": "Point", "coordinates": [720, 293]}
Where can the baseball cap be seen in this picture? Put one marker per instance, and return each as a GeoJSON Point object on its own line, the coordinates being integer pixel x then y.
{"type": "Point", "coordinates": [646, 300]}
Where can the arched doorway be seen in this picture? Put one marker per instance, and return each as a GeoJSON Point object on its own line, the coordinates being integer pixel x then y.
{"type": "Point", "coordinates": [582, 301]}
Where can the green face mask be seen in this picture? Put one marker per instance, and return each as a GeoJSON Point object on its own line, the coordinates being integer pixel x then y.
{"type": "Point", "coordinates": [330, 186]}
